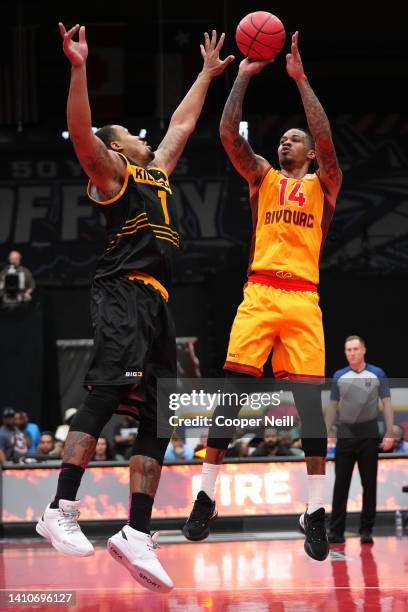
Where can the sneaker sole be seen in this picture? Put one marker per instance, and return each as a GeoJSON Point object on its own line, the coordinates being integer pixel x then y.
{"type": "Point", "coordinates": [309, 552]}
{"type": "Point", "coordinates": [204, 534]}
{"type": "Point", "coordinates": [136, 571]}
{"type": "Point", "coordinates": [43, 531]}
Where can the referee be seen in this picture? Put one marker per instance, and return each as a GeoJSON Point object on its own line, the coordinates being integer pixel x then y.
{"type": "Point", "coordinates": [355, 395]}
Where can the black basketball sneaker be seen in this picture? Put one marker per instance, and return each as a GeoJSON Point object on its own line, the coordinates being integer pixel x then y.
{"type": "Point", "coordinates": [313, 526]}
{"type": "Point", "coordinates": [197, 526]}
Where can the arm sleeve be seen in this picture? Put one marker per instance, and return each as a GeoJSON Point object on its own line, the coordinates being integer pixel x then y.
{"type": "Point", "coordinates": [384, 385]}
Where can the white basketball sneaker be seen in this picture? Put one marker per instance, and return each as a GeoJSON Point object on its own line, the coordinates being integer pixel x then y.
{"type": "Point", "coordinates": [136, 551]}
{"type": "Point", "coordinates": [60, 527]}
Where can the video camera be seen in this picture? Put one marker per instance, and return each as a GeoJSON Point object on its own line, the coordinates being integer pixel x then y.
{"type": "Point", "coordinates": [13, 290]}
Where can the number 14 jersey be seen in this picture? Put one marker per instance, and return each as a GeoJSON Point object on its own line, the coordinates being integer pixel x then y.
{"type": "Point", "coordinates": [291, 218]}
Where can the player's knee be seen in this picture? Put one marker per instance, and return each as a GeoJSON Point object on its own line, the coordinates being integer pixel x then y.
{"type": "Point", "coordinates": [309, 407]}
{"type": "Point", "coordinates": [148, 444]}
{"type": "Point", "coordinates": [227, 410]}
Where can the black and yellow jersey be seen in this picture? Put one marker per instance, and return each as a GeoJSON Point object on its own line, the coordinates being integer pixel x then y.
{"type": "Point", "coordinates": [140, 224]}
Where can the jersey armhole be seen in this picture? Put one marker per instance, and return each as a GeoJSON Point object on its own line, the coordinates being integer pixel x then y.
{"type": "Point", "coordinates": [322, 187]}
{"type": "Point", "coordinates": [253, 193]}
{"type": "Point", "coordinates": [119, 194]}
{"type": "Point", "coordinates": [160, 170]}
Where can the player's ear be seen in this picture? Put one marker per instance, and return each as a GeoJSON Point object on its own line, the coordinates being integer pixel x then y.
{"type": "Point", "coordinates": [311, 154]}
{"type": "Point", "coordinates": [116, 146]}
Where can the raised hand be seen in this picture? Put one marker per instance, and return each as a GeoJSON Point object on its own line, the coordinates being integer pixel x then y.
{"type": "Point", "coordinates": [210, 52]}
{"type": "Point", "coordinates": [252, 67]}
{"type": "Point", "coordinates": [76, 52]}
{"type": "Point", "coordinates": [294, 64]}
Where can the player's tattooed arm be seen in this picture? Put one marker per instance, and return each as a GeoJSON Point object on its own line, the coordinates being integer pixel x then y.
{"type": "Point", "coordinates": [239, 151]}
{"type": "Point", "coordinates": [329, 169]}
{"type": "Point", "coordinates": [104, 167]}
{"type": "Point", "coordinates": [319, 126]}
{"type": "Point", "coordinates": [144, 475]}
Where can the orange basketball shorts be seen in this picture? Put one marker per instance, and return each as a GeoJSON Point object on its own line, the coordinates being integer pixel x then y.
{"type": "Point", "coordinates": [290, 322]}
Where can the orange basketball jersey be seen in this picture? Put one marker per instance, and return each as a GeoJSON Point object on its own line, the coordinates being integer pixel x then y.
{"type": "Point", "coordinates": [291, 218]}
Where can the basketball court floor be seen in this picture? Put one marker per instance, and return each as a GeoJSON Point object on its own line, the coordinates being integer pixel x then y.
{"type": "Point", "coordinates": [252, 572]}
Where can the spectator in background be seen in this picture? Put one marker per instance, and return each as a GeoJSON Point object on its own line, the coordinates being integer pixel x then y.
{"type": "Point", "coordinates": [103, 451]}
{"type": "Point", "coordinates": [62, 430]}
{"type": "Point", "coordinates": [286, 442]}
{"type": "Point", "coordinates": [16, 282]}
{"type": "Point", "coordinates": [58, 449]}
{"type": "Point", "coordinates": [271, 445]}
{"type": "Point", "coordinates": [400, 445]}
{"type": "Point", "coordinates": [31, 431]}
{"type": "Point", "coordinates": [296, 443]}
{"type": "Point", "coordinates": [356, 391]}
{"type": "Point", "coordinates": [124, 434]}
{"type": "Point", "coordinates": [178, 450]}
{"type": "Point", "coordinates": [238, 449]}
{"type": "Point", "coordinates": [47, 444]}
{"type": "Point", "coordinates": [12, 440]}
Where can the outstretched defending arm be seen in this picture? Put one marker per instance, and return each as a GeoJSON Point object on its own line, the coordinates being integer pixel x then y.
{"type": "Point", "coordinates": [319, 126]}
{"type": "Point", "coordinates": [184, 118]}
{"type": "Point", "coordinates": [103, 166]}
{"type": "Point", "coordinates": [243, 158]}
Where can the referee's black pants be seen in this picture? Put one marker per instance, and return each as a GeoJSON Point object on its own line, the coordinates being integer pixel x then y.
{"type": "Point", "coordinates": [348, 451]}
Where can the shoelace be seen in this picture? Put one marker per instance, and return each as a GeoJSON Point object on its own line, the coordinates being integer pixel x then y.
{"type": "Point", "coordinates": [152, 543]}
{"type": "Point", "coordinates": [69, 520]}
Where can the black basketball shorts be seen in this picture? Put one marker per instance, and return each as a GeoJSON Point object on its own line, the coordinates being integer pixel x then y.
{"type": "Point", "coordinates": [134, 342]}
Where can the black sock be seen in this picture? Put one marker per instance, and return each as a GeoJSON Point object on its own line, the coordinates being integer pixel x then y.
{"type": "Point", "coordinates": [68, 483]}
{"type": "Point", "coordinates": [140, 512]}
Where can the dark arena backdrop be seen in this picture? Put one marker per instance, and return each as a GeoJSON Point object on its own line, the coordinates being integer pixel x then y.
{"type": "Point", "coordinates": [142, 59]}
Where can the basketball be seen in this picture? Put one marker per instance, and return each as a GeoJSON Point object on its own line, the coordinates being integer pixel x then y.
{"type": "Point", "coordinates": [260, 35]}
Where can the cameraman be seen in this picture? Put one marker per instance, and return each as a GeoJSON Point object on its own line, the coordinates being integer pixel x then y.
{"type": "Point", "coordinates": [16, 282]}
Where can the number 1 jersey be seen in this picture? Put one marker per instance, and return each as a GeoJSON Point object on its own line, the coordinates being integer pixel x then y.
{"type": "Point", "coordinates": [140, 224]}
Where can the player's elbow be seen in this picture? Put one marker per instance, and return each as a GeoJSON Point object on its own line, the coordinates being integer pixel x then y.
{"type": "Point", "coordinates": [81, 139]}
{"type": "Point", "coordinates": [185, 126]}
{"type": "Point", "coordinates": [226, 134]}
{"type": "Point", "coordinates": [188, 128]}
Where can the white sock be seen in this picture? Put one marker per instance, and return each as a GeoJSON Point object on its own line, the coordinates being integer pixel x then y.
{"type": "Point", "coordinates": [209, 476]}
{"type": "Point", "coordinates": [316, 487]}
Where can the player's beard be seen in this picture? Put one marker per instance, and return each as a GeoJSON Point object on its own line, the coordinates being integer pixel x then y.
{"type": "Point", "coordinates": [286, 162]}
